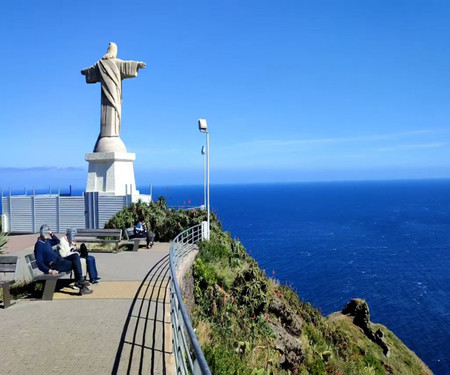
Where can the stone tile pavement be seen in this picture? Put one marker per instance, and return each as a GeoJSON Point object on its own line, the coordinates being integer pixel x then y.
{"type": "Point", "coordinates": [122, 328]}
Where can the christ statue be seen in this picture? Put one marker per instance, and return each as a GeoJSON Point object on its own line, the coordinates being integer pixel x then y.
{"type": "Point", "coordinates": [110, 71]}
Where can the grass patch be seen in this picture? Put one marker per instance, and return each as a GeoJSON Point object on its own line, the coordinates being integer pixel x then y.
{"type": "Point", "coordinates": [401, 359]}
{"type": "Point", "coordinates": [24, 289]}
{"type": "Point", "coordinates": [99, 247]}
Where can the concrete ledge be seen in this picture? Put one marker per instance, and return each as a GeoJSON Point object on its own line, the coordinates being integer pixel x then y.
{"type": "Point", "coordinates": [110, 156]}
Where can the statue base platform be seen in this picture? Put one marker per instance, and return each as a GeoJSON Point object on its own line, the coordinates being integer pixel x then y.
{"type": "Point", "coordinates": [111, 173]}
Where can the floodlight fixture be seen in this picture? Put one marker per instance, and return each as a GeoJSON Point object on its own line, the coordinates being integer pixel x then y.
{"type": "Point", "coordinates": [202, 125]}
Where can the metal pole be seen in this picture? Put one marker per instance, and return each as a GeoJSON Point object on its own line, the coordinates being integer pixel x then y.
{"type": "Point", "coordinates": [10, 211]}
{"type": "Point", "coordinates": [207, 181]}
{"type": "Point", "coordinates": [204, 179]}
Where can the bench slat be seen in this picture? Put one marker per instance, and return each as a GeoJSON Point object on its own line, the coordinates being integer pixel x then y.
{"type": "Point", "coordinates": [98, 235]}
{"type": "Point", "coordinates": [6, 282]}
{"type": "Point", "coordinates": [45, 276]}
{"type": "Point", "coordinates": [8, 259]}
{"type": "Point", "coordinates": [99, 230]}
{"type": "Point", "coordinates": [95, 239]}
{"type": "Point", "coordinates": [8, 267]}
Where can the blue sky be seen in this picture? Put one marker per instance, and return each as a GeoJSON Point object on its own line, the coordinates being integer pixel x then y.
{"type": "Point", "coordinates": [292, 90]}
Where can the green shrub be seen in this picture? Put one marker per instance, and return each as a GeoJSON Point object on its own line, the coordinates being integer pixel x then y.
{"type": "Point", "coordinates": [165, 222]}
{"type": "Point", "coordinates": [224, 360]}
{"type": "Point", "coordinates": [374, 363]}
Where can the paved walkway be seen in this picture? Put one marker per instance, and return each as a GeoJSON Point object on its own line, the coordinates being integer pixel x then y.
{"type": "Point", "coordinates": [122, 328]}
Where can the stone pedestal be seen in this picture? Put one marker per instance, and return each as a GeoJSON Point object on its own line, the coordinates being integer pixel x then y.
{"type": "Point", "coordinates": [111, 173]}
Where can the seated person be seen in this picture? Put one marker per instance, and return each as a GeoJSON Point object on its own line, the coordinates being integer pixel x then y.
{"type": "Point", "coordinates": [140, 231]}
{"type": "Point", "coordinates": [48, 261]}
{"type": "Point", "coordinates": [68, 247]}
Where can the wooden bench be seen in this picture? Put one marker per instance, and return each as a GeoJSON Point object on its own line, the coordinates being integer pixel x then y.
{"type": "Point", "coordinates": [8, 265]}
{"type": "Point", "coordinates": [99, 236]}
{"type": "Point", "coordinates": [136, 241]}
{"type": "Point", "coordinates": [49, 280]}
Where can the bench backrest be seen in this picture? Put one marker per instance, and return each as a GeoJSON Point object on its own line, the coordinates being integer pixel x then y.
{"type": "Point", "coordinates": [8, 264]}
{"type": "Point", "coordinates": [116, 233]}
{"type": "Point", "coordinates": [32, 265]}
{"type": "Point", "coordinates": [129, 232]}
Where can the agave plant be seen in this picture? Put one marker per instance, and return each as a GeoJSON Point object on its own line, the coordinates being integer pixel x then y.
{"type": "Point", "coordinates": [3, 241]}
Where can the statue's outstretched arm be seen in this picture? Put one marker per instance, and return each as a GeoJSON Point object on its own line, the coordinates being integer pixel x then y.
{"type": "Point", "coordinates": [91, 74]}
{"type": "Point", "coordinates": [88, 70]}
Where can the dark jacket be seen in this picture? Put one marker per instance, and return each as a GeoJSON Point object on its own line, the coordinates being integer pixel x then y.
{"type": "Point", "coordinates": [44, 253]}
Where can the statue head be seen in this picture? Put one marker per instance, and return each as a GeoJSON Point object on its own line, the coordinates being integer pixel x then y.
{"type": "Point", "coordinates": [111, 53]}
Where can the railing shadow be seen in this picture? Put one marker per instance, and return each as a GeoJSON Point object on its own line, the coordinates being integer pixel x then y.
{"type": "Point", "coordinates": [142, 346]}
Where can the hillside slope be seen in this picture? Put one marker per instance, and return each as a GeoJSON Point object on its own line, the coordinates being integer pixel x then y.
{"type": "Point", "coordinates": [247, 323]}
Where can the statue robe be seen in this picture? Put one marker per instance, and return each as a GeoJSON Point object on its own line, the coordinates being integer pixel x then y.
{"type": "Point", "coordinates": [111, 72]}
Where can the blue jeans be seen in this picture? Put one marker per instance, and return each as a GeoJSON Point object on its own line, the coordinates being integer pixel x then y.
{"type": "Point", "coordinates": [91, 267]}
{"type": "Point", "coordinates": [67, 264]}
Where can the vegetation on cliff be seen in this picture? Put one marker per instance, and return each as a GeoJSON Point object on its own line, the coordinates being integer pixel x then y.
{"type": "Point", "coordinates": [248, 323]}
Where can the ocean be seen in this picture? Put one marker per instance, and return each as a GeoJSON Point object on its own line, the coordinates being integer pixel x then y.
{"type": "Point", "coordinates": [387, 242]}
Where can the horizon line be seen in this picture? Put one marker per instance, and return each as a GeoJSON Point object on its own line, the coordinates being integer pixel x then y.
{"type": "Point", "coordinates": [54, 189]}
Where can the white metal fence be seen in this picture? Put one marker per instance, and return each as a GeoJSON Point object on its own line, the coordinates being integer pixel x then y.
{"type": "Point", "coordinates": [26, 213]}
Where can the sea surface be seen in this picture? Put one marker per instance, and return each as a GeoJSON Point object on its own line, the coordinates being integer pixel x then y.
{"type": "Point", "coordinates": [386, 242]}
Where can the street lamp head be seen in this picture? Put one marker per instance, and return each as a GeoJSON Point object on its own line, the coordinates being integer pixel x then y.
{"type": "Point", "coordinates": [203, 150]}
{"type": "Point", "coordinates": [202, 125]}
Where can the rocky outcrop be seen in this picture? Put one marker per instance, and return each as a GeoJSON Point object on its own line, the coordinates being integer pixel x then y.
{"type": "Point", "coordinates": [289, 347]}
{"type": "Point", "coordinates": [290, 321]}
{"type": "Point", "coordinates": [359, 309]}
{"type": "Point", "coordinates": [286, 335]}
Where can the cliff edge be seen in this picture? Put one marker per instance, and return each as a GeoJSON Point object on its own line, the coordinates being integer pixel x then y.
{"type": "Point", "coordinates": [247, 323]}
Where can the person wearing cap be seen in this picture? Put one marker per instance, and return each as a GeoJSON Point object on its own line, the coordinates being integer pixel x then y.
{"type": "Point", "coordinates": [49, 262]}
{"type": "Point", "coordinates": [68, 247]}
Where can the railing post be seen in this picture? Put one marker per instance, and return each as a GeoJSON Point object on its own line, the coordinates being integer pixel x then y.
{"type": "Point", "coordinates": [10, 211]}
{"type": "Point", "coordinates": [33, 211]}
{"type": "Point", "coordinates": [58, 212]}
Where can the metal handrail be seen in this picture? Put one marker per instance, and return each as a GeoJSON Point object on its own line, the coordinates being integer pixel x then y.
{"type": "Point", "coordinates": [189, 358]}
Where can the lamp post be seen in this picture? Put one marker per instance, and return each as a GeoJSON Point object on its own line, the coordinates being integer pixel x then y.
{"type": "Point", "coordinates": [203, 127]}
{"type": "Point", "coordinates": [204, 176]}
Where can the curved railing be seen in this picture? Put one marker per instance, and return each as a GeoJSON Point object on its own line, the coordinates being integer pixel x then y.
{"type": "Point", "coordinates": [189, 358]}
